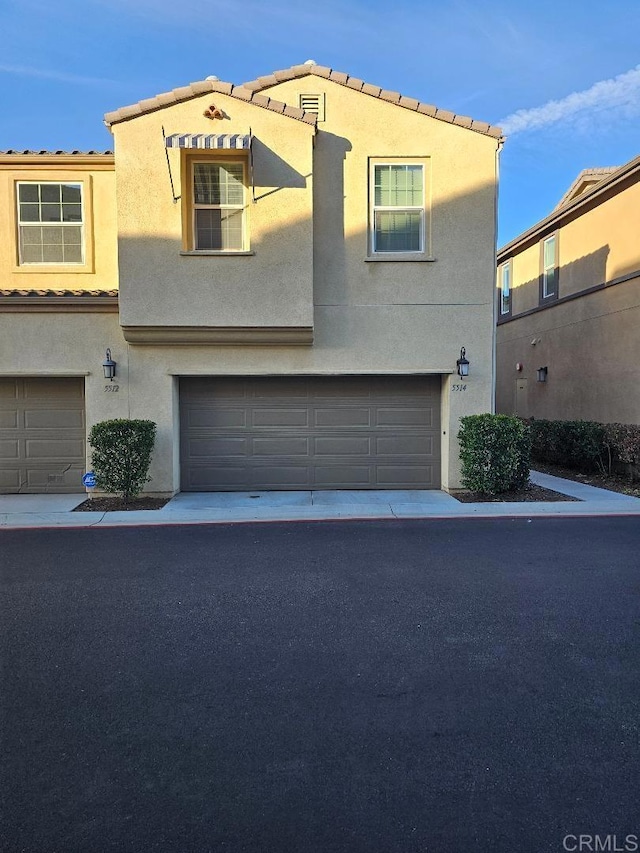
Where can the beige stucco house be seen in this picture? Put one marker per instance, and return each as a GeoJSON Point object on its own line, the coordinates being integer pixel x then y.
{"type": "Point", "coordinates": [285, 273]}
{"type": "Point", "coordinates": [568, 294]}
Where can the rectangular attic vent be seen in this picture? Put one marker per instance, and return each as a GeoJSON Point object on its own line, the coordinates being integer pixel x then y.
{"type": "Point", "coordinates": [313, 104]}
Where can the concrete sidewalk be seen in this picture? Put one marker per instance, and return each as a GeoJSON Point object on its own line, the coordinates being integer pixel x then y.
{"type": "Point", "coordinates": [20, 511]}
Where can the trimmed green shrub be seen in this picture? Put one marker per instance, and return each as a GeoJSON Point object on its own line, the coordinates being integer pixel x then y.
{"type": "Point", "coordinates": [495, 452]}
{"type": "Point", "coordinates": [571, 444]}
{"type": "Point", "coordinates": [623, 444]}
{"type": "Point", "coordinates": [122, 454]}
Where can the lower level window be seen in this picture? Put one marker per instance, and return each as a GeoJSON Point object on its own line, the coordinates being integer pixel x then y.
{"type": "Point", "coordinates": [219, 206]}
{"type": "Point", "coordinates": [398, 214]}
{"type": "Point", "coordinates": [50, 222]}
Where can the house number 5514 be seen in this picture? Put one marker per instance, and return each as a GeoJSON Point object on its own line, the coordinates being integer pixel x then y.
{"type": "Point", "coordinates": [458, 387]}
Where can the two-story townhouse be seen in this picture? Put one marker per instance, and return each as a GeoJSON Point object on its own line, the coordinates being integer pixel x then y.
{"type": "Point", "coordinates": [568, 294]}
{"type": "Point", "coordinates": [301, 261]}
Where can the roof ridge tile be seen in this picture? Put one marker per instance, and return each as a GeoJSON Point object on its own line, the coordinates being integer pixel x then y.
{"type": "Point", "coordinates": [296, 71]}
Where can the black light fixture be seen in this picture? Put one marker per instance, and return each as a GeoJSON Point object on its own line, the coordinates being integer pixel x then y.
{"type": "Point", "coordinates": [462, 363]}
{"type": "Point", "coordinates": [109, 366]}
{"type": "Point", "coordinates": [542, 374]}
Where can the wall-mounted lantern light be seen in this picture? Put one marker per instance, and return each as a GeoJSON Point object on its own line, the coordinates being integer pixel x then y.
{"type": "Point", "coordinates": [542, 374]}
{"type": "Point", "coordinates": [109, 366]}
{"type": "Point", "coordinates": [462, 363]}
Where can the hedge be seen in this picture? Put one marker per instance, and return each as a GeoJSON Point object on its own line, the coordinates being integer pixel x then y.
{"type": "Point", "coordinates": [586, 445]}
{"type": "Point", "coordinates": [121, 455]}
{"type": "Point", "coordinates": [495, 453]}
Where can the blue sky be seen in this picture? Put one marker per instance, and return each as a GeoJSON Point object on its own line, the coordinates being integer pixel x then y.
{"type": "Point", "coordinates": [562, 77]}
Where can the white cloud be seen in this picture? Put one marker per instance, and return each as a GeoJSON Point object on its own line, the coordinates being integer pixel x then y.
{"type": "Point", "coordinates": [45, 74]}
{"type": "Point", "coordinates": [620, 93]}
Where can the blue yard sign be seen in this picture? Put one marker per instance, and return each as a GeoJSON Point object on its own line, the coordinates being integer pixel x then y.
{"type": "Point", "coordinates": [89, 480]}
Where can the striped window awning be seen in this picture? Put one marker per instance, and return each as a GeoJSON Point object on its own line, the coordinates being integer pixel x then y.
{"type": "Point", "coordinates": [208, 140]}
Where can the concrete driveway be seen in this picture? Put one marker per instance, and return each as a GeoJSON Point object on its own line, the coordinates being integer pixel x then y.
{"type": "Point", "coordinates": [458, 685]}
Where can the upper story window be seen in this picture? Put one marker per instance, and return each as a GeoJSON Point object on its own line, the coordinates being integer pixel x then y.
{"type": "Point", "coordinates": [50, 223]}
{"type": "Point", "coordinates": [219, 206]}
{"type": "Point", "coordinates": [505, 288]}
{"type": "Point", "coordinates": [397, 220]}
{"type": "Point", "coordinates": [549, 267]}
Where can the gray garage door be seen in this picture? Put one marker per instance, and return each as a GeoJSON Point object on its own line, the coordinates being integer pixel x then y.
{"type": "Point", "coordinates": [378, 432]}
{"type": "Point", "coordinates": [42, 435]}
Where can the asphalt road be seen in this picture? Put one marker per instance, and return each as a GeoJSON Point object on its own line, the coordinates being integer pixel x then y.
{"type": "Point", "coordinates": [421, 687]}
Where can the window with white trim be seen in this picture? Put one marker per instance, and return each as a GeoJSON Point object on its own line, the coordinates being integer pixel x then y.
{"type": "Point", "coordinates": [505, 288]}
{"type": "Point", "coordinates": [219, 205]}
{"type": "Point", "coordinates": [397, 219]}
{"type": "Point", "coordinates": [549, 268]}
{"type": "Point", "coordinates": [50, 223]}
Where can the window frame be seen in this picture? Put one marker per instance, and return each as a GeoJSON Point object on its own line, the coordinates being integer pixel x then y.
{"type": "Point", "coordinates": [545, 270]}
{"type": "Point", "coordinates": [424, 252]}
{"type": "Point", "coordinates": [223, 157]}
{"type": "Point", "coordinates": [48, 265]}
{"type": "Point", "coordinates": [505, 267]}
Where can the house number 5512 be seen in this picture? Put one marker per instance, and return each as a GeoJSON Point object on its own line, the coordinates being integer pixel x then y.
{"type": "Point", "coordinates": [112, 388]}
{"type": "Point", "coordinates": [458, 387]}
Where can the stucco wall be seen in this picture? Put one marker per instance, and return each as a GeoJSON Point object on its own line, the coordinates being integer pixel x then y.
{"type": "Point", "coordinates": [159, 285]}
{"type": "Point", "coordinates": [588, 343]}
{"type": "Point", "coordinates": [311, 265]}
{"type": "Point", "coordinates": [100, 270]}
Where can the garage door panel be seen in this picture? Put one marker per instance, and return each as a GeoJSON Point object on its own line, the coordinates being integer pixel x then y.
{"type": "Point", "coordinates": [313, 432]}
{"type": "Point", "coordinates": [275, 417]}
{"type": "Point", "coordinates": [409, 445]}
{"type": "Point", "coordinates": [343, 476]}
{"type": "Point", "coordinates": [281, 447]}
{"type": "Point", "coordinates": [404, 417]}
{"type": "Point", "coordinates": [205, 448]}
{"type": "Point", "coordinates": [42, 434]}
{"type": "Point", "coordinates": [51, 448]}
{"type": "Point", "coordinates": [53, 419]}
{"type": "Point", "coordinates": [49, 389]}
{"type": "Point", "coordinates": [9, 419]}
{"type": "Point", "coordinates": [9, 449]}
{"type": "Point", "coordinates": [275, 388]}
{"type": "Point", "coordinates": [390, 476]}
{"type": "Point", "coordinates": [55, 479]}
{"type": "Point", "coordinates": [212, 418]}
{"type": "Point", "coordinates": [343, 446]}
{"type": "Point", "coordinates": [9, 479]}
{"type": "Point", "coordinates": [342, 417]}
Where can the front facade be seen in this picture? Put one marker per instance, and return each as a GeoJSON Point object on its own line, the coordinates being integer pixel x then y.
{"type": "Point", "coordinates": [568, 302]}
{"type": "Point", "coordinates": [284, 272]}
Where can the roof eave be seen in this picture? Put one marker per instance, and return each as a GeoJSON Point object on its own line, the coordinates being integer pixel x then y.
{"type": "Point", "coordinates": [342, 79]}
{"type": "Point", "coordinates": [202, 87]}
{"type": "Point", "coordinates": [570, 209]}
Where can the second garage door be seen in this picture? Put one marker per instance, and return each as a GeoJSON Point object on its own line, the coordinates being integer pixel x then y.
{"type": "Point", "coordinates": [42, 435]}
{"type": "Point", "coordinates": [374, 432]}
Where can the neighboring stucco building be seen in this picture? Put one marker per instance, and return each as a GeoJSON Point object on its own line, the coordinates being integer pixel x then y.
{"type": "Point", "coordinates": [568, 293]}
{"type": "Point", "coordinates": [299, 262]}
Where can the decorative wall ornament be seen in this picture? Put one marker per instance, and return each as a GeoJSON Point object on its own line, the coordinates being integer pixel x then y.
{"type": "Point", "coordinates": [213, 112]}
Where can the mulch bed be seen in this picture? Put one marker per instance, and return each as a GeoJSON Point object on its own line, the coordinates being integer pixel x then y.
{"type": "Point", "coordinates": [613, 482]}
{"type": "Point", "coordinates": [118, 505]}
{"type": "Point", "coordinates": [529, 493]}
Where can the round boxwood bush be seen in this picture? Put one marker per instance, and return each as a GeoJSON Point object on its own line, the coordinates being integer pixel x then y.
{"type": "Point", "coordinates": [121, 455]}
{"type": "Point", "coordinates": [495, 453]}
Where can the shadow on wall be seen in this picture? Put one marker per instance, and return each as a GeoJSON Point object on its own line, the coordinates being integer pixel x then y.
{"type": "Point", "coordinates": [586, 342]}
{"type": "Point", "coordinates": [270, 170]}
{"type": "Point", "coordinates": [588, 271]}
{"type": "Point", "coordinates": [459, 235]}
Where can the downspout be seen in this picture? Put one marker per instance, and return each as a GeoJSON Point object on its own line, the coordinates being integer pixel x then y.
{"type": "Point", "coordinates": [495, 267]}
